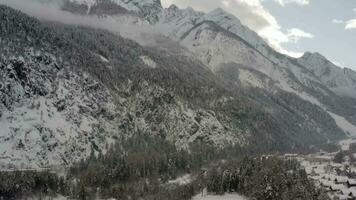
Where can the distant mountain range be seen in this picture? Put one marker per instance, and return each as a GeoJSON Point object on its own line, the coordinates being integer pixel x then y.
{"type": "Point", "coordinates": [66, 90]}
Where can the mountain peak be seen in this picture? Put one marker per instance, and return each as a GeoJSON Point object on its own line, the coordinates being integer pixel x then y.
{"type": "Point", "coordinates": [223, 17]}
{"type": "Point", "coordinates": [173, 7]}
{"type": "Point", "coordinates": [313, 55]}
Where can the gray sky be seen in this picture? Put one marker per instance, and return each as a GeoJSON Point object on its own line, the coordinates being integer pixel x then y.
{"type": "Point", "coordinates": [295, 26]}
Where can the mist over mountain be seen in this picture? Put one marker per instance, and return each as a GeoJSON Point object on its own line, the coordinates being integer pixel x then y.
{"type": "Point", "coordinates": [95, 81]}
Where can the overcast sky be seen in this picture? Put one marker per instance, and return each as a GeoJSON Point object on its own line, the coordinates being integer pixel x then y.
{"type": "Point", "coordinates": [295, 26]}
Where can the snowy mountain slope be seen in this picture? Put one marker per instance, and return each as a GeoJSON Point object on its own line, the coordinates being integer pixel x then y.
{"type": "Point", "coordinates": [236, 43]}
{"type": "Point", "coordinates": [218, 38]}
{"type": "Point", "coordinates": [183, 25]}
{"type": "Point", "coordinates": [54, 113]}
{"type": "Point", "coordinates": [341, 81]}
{"type": "Point", "coordinates": [66, 91]}
{"type": "Point", "coordinates": [48, 117]}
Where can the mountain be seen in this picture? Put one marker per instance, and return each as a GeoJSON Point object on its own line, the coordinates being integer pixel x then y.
{"type": "Point", "coordinates": [66, 91]}
{"type": "Point", "coordinates": [340, 80]}
{"type": "Point", "coordinates": [234, 43]}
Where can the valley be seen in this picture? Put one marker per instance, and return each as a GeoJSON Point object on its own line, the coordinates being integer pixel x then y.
{"type": "Point", "coordinates": [127, 99]}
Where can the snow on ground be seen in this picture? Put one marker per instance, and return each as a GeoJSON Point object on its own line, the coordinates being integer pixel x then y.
{"type": "Point", "coordinates": [344, 124]}
{"type": "Point", "coordinates": [103, 59]}
{"type": "Point", "coordinates": [324, 172]}
{"type": "Point", "coordinates": [345, 144]}
{"type": "Point", "coordinates": [217, 197]}
{"type": "Point", "coordinates": [149, 62]}
{"type": "Point", "coordinates": [183, 180]}
{"type": "Point", "coordinates": [59, 197]}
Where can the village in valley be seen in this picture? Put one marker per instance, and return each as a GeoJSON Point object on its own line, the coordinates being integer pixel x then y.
{"type": "Point", "coordinates": [334, 172]}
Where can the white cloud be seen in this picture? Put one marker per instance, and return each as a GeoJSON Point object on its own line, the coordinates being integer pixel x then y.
{"type": "Point", "coordinates": [295, 35]}
{"type": "Point", "coordinates": [351, 24]}
{"type": "Point", "coordinates": [299, 2]}
{"type": "Point", "coordinates": [276, 38]}
{"type": "Point", "coordinates": [337, 21]}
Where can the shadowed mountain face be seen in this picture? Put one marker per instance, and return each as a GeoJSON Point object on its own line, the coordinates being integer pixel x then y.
{"type": "Point", "coordinates": [66, 90]}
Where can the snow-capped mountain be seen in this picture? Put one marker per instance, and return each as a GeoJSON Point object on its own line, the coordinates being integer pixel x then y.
{"type": "Point", "coordinates": [66, 91]}
{"type": "Point", "coordinates": [219, 39]}
{"type": "Point", "coordinates": [63, 98]}
{"type": "Point", "coordinates": [340, 80]}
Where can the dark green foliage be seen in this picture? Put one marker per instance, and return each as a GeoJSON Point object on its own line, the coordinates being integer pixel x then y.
{"type": "Point", "coordinates": [139, 157]}
{"type": "Point", "coordinates": [352, 148]}
{"type": "Point", "coordinates": [140, 167]}
{"type": "Point", "coordinates": [262, 179]}
{"type": "Point", "coordinates": [342, 155]}
{"type": "Point", "coordinates": [339, 157]}
{"type": "Point", "coordinates": [17, 184]}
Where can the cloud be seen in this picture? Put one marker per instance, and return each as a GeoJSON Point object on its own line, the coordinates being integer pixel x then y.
{"type": "Point", "coordinates": [337, 21]}
{"type": "Point", "coordinates": [276, 39]}
{"type": "Point", "coordinates": [295, 35]}
{"type": "Point", "coordinates": [351, 24]}
{"type": "Point", "coordinates": [299, 2]}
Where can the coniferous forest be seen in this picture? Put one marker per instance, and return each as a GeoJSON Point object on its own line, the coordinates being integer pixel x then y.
{"type": "Point", "coordinates": [142, 167]}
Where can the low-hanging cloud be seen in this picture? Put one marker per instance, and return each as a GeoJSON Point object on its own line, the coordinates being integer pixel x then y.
{"type": "Point", "coordinates": [50, 10]}
{"type": "Point", "coordinates": [298, 2]}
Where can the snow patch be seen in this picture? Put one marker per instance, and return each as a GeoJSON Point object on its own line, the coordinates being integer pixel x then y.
{"type": "Point", "coordinates": [345, 125]}
{"type": "Point", "coordinates": [103, 59]}
{"type": "Point", "coordinates": [246, 77]}
{"type": "Point", "coordinates": [149, 62]}
{"type": "Point", "coordinates": [181, 180]}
